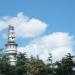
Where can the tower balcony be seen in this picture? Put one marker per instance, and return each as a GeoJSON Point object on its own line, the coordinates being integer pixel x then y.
{"type": "Point", "coordinates": [11, 52]}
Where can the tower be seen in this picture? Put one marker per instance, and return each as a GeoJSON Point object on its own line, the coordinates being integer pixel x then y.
{"type": "Point", "coordinates": [11, 46]}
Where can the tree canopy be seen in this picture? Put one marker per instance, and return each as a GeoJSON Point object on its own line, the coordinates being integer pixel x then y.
{"type": "Point", "coordinates": [36, 66]}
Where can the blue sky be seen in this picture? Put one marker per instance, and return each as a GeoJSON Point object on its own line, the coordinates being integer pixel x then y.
{"type": "Point", "coordinates": [59, 15]}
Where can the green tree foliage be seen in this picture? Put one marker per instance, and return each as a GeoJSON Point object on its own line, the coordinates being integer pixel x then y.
{"type": "Point", "coordinates": [50, 64]}
{"type": "Point", "coordinates": [4, 66]}
{"type": "Point", "coordinates": [21, 64]}
{"type": "Point", "coordinates": [65, 65]}
{"type": "Point", "coordinates": [35, 66]}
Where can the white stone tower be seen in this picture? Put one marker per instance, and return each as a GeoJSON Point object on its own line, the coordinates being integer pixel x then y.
{"type": "Point", "coordinates": [11, 46]}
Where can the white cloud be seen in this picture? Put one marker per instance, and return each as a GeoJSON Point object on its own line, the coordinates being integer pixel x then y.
{"type": "Point", "coordinates": [24, 26]}
{"type": "Point", "coordinates": [2, 25]}
{"type": "Point", "coordinates": [59, 44]}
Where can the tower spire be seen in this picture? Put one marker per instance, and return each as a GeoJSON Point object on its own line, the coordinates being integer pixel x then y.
{"type": "Point", "coordinates": [11, 46]}
{"type": "Point", "coordinates": [11, 34]}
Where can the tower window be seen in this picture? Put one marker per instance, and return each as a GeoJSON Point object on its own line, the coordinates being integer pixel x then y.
{"type": "Point", "coordinates": [10, 46]}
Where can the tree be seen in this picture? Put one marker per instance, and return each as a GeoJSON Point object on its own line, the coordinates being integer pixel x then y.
{"type": "Point", "coordinates": [65, 65]}
{"type": "Point", "coordinates": [50, 64]}
{"type": "Point", "coordinates": [4, 65]}
{"type": "Point", "coordinates": [36, 67]}
{"type": "Point", "coordinates": [21, 64]}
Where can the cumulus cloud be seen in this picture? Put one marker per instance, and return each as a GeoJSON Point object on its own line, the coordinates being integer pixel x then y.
{"type": "Point", "coordinates": [2, 25]}
{"type": "Point", "coordinates": [24, 26]}
{"type": "Point", "coordinates": [59, 44]}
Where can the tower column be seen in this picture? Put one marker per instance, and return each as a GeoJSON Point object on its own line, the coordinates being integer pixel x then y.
{"type": "Point", "coordinates": [11, 46]}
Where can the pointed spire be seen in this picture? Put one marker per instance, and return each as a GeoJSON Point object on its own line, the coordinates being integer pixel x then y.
{"type": "Point", "coordinates": [11, 35]}
{"type": "Point", "coordinates": [11, 27]}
